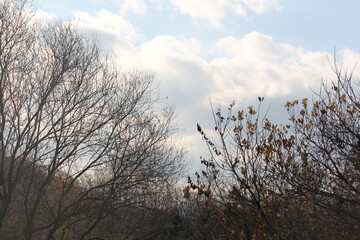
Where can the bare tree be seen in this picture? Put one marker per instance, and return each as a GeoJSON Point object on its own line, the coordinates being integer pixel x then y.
{"type": "Point", "coordinates": [78, 137]}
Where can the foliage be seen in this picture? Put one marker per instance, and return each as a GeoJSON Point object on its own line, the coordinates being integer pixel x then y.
{"type": "Point", "coordinates": [295, 181]}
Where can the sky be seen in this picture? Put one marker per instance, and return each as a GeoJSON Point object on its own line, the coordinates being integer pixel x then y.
{"type": "Point", "coordinates": [223, 50]}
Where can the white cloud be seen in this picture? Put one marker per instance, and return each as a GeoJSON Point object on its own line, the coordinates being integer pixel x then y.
{"type": "Point", "coordinates": [262, 6]}
{"type": "Point", "coordinates": [42, 17]}
{"type": "Point", "coordinates": [158, 3]}
{"type": "Point", "coordinates": [244, 68]}
{"type": "Point", "coordinates": [135, 6]}
{"type": "Point", "coordinates": [213, 11]}
{"type": "Point", "coordinates": [255, 65]}
{"type": "Point", "coordinates": [241, 68]}
{"type": "Point", "coordinates": [114, 31]}
{"type": "Point", "coordinates": [183, 74]}
{"type": "Point", "coordinates": [350, 62]}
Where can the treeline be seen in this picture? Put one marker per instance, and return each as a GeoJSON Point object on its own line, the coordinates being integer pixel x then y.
{"type": "Point", "coordinates": [87, 152]}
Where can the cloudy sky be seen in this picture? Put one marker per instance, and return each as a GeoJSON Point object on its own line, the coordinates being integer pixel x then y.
{"type": "Point", "coordinates": [222, 50]}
